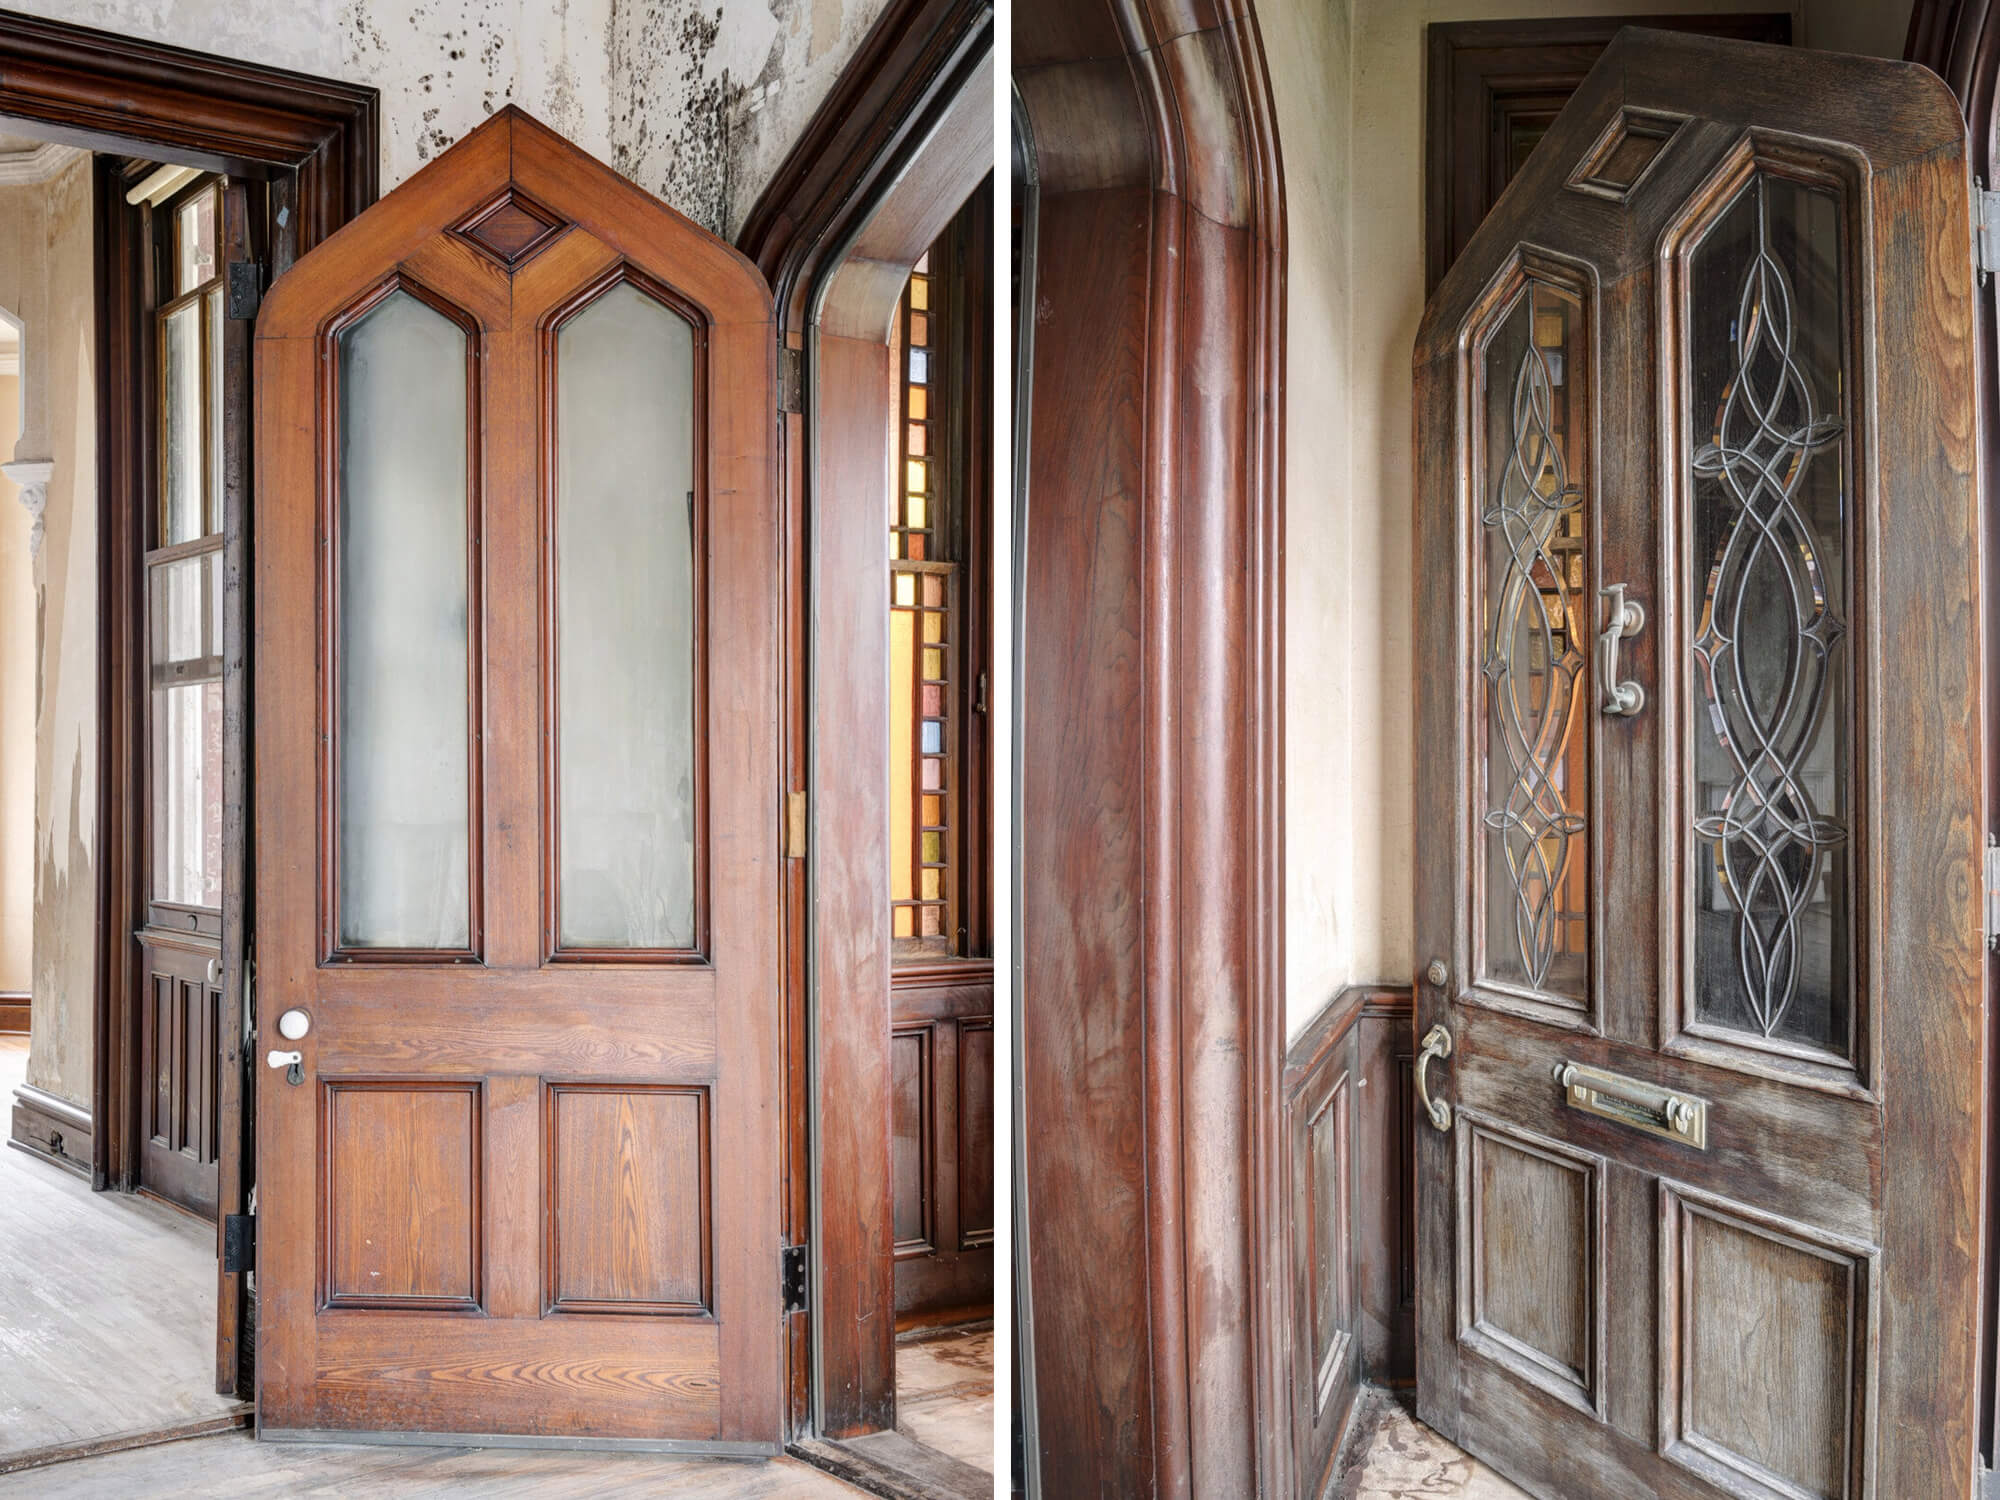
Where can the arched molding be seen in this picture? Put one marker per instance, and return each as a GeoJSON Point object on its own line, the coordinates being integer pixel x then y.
{"type": "Point", "coordinates": [898, 145]}
{"type": "Point", "coordinates": [1153, 932]}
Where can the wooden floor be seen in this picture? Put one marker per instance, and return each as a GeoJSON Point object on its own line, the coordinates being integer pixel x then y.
{"type": "Point", "coordinates": [944, 1392]}
{"type": "Point", "coordinates": [107, 1305]}
{"type": "Point", "coordinates": [238, 1467]}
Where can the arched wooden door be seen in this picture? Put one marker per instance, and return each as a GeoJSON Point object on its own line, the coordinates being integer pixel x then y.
{"type": "Point", "coordinates": [517, 817]}
{"type": "Point", "coordinates": [1699, 1004]}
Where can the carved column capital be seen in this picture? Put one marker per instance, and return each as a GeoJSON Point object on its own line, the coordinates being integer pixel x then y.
{"type": "Point", "coordinates": [32, 475]}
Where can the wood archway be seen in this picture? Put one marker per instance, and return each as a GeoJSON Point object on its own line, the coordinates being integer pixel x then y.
{"type": "Point", "coordinates": [901, 141]}
{"type": "Point", "coordinates": [1152, 840]}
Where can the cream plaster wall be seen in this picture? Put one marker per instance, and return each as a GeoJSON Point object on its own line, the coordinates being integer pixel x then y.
{"type": "Point", "coordinates": [46, 268]}
{"type": "Point", "coordinates": [696, 100]}
{"type": "Point", "coordinates": [17, 716]}
{"type": "Point", "coordinates": [1349, 82]}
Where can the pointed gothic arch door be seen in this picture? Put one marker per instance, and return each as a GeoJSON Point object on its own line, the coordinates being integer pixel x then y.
{"type": "Point", "coordinates": [517, 817]}
{"type": "Point", "coordinates": [1700, 1006]}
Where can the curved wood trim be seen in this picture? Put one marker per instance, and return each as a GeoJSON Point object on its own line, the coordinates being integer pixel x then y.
{"type": "Point", "coordinates": [1161, 179]}
{"type": "Point", "coordinates": [920, 59]}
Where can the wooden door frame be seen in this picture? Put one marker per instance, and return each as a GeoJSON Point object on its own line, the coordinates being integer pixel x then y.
{"type": "Point", "coordinates": [313, 142]}
{"type": "Point", "coordinates": [1157, 1181]}
{"type": "Point", "coordinates": [883, 139]}
{"type": "Point", "coordinates": [1959, 40]}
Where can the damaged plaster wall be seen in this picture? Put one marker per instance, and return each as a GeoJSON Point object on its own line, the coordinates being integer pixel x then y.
{"type": "Point", "coordinates": [697, 102]}
{"type": "Point", "coordinates": [46, 271]}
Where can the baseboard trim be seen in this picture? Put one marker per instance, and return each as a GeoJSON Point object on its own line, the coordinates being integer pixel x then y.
{"type": "Point", "coordinates": [149, 1437]}
{"type": "Point", "coordinates": [14, 1008]}
{"type": "Point", "coordinates": [53, 1129]}
{"type": "Point", "coordinates": [398, 1439]}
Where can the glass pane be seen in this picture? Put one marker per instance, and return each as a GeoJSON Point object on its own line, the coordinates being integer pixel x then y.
{"type": "Point", "coordinates": [186, 794]}
{"type": "Point", "coordinates": [212, 313]}
{"type": "Point", "coordinates": [183, 615]}
{"type": "Point", "coordinates": [1536, 894]}
{"type": "Point", "coordinates": [404, 790]}
{"type": "Point", "coordinates": [194, 242]}
{"type": "Point", "coordinates": [1770, 731]}
{"type": "Point", "coordinates": [625, 624]}
{"type": "Point", "coordinates": [183, 511]}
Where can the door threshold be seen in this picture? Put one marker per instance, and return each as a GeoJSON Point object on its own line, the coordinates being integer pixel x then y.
{"type": "Point", "coordinates": [895, 1466]}
{"type": "Point", "coordinates": [393, 1438]}
{"type": "Point", "coordinates": [148, 1437]}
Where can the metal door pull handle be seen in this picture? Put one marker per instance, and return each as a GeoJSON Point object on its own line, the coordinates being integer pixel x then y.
{"type": "Point", "coordinates": [1437, 1043]}
{"type": "Point", "coordinates": [1630, 1101]}
{"type": "Point", "coordinates": [1625, 618]}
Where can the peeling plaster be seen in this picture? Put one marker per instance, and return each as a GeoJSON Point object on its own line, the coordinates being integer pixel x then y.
{"type": "Point", "coordinates": [695, 100]}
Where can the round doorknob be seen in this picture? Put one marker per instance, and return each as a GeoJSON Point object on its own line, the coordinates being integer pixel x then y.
{"type": "Point", "coordinates": [294, 1024]}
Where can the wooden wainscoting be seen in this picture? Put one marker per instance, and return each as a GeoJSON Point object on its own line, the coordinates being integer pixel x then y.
{"type": "Point", "coordinates": [1348, 1119]}
{"type": "Point", "coordinates": [13, 1014]}
{"type": "Point", "coordinates": [53, 1129]}
{"type": "Point", "coordinates": [941, 1141]}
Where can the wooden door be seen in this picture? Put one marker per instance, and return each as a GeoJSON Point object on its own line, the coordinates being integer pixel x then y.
{"type": "Point", "coordinates": [1698, 897]}
{"type": "Point", "coordinates": [517, 817]}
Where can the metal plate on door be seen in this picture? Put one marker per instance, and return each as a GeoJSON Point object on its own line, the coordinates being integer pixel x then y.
{"type": "Point", "coordinates": [1629, 1101]}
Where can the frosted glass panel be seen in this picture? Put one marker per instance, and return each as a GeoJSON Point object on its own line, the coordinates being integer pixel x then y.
{"type": "Point", "coordinates": [404, 799]}
{"type": "Point", "coordinates": [625, 624]}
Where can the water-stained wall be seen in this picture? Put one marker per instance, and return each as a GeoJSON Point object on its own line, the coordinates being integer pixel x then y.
{"type": "Point", "coordinates": [696, 102]}
{"type": "Point", "coordinates": [46, 270]}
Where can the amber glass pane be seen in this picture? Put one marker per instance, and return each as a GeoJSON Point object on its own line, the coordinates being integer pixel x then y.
{"type": "Point", "coordinates": [1771, 725]}
{"type": "Point", "coordinates": [1535, 621]}
{"type": "Point", "coordinates": [403, 792]}
{"type": "Point", "coordinates": [625, 642]}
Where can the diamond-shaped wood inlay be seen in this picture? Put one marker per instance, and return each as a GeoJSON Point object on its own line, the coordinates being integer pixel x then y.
{"type": "Point", "coordinates": [511, 228]}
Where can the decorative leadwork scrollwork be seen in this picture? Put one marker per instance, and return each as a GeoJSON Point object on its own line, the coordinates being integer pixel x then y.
{"type": "Point", "coordinates": [1532, 660]}
{"type": "Point", "coordinates": [1765, 683]}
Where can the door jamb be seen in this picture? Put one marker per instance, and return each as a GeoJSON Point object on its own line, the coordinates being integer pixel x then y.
{"type": "Point", "coordinates": [314, 142]}
{"type": "Point", "coordinates": [868, 140]}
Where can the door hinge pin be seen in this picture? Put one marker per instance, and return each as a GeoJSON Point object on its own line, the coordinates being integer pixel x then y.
{"type": "Point", "coordinates": [791, 380]}
{"type": "Point", "coordinates": [239, 1243]}
{"type": "Point", "coordinates": [1992, 891]}
{"type": "Point", "coordinates": [792, 1277]}
{"type": "Point", "coordinates": [795, 825]}
{"type": "Point", "coordinates": [246, 289]}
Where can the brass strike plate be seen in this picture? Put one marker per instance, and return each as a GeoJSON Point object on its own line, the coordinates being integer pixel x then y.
{"type": "Point", "coordinates": [1628, 1101]}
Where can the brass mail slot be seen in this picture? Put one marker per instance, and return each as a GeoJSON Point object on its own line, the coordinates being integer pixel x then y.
{"type": "Point", "coordinates": [1643, 1106]}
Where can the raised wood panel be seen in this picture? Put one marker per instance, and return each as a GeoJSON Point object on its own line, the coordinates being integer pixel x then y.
{"type": "Point", "coordinates": [1762, 1331]}
{"type": "Point", "coordinates": [911, 1159]}
{"type": "Point", "coordinates": [1532, 1266]}
{"type": "Point", "coordinates": [1323, 1080]}
{"type": "Point", "coordinates": [975, 1133]}
{"type": "Point", "coordinates": [1384, 1221]}
{"type": "Point", "coordinates": [180, 1052]}
{"type": "Point", "coordinates": [628, 1198]}
{"type": "Point", "coordinates": [401, 1191]}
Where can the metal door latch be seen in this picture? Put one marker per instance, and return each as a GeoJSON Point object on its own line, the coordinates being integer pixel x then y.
{"type": "Point", "coordinates": [292, 1062]}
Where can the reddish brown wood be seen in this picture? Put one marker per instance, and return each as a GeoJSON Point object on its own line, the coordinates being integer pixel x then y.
{"type": "Point", "coordinates": [1151, 710]}
{"type": "Point", "coordinates": [665, 1342]}
{"type": "Point", "coordinates": [874, 132]}
{"type": "Point", "coordinates": [943, 1135]}
{"type": "Point", "coordinates": [1493, 87]}
{"type": "Point", "coordinates": [1859, 1186]}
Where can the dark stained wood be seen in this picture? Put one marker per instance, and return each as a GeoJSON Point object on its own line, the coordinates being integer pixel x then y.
{"type": "Point", "coordinates": [180, 1059]}
{"type": "Point", "coordinates": [664, 1074]}
{"type": "Point", "coordinates": [1323, 1100]}
{"type": "Point", "coordinates": [942, 1051]}
{"type": "Point", "coordinates": [1831, 1228]}
{"type": "Point", "coordinates": [51, 1128]}
{"type": "Point", "coordinates": [1384, 1189]}
{"type": "Point", "coordinates": [310, 145]}
{"type": "Point", "coordinates": [14, 1015]}
{"type": "Point", "coordinates": [1152, 742]}
{"type": "Point", "coordinates": [1494, 87]}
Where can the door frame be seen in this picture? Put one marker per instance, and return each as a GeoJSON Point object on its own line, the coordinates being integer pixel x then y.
{"type": "Point", "coordinates": [1157, 1180]}
{"type": "Point", "coordinates": [313, 144]}
{"type": "Point", "coordinates": [883, 142]}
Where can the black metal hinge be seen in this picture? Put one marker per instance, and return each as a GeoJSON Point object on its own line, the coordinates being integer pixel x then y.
{"type": "Point", "coordinates": [239, 1243]}
{"type": "Point", "coordinates": [792, 1277]}
{"type": "Point", "coordinates": [791, 380]}
{"type": "Point", "coordinates": [246, 289]}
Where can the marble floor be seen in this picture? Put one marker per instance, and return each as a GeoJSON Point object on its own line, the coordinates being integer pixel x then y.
{"type": "Point", "coordinates": [944, 1392]}
{"type": "Point", "coordinates": [1390, 1455]}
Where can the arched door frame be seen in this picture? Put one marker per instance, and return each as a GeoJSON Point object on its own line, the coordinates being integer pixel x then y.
{"type": "Point", "coordinates": [1153, 748]}
{"type": "Point", "coordinates": [902, 140]}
